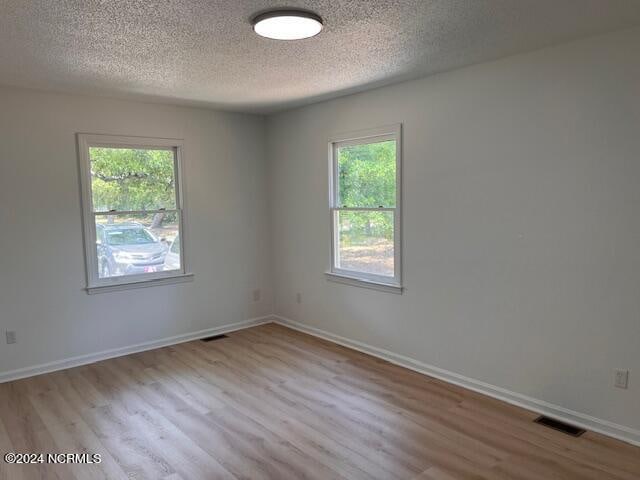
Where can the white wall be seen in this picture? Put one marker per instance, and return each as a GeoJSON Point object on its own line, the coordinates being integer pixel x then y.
{"type": "Point", "coordinates": [41, 255]}
{"type": "Point", "coordinates": [521, 223]}
{"type": "Point", "coordinates": [521, 240]}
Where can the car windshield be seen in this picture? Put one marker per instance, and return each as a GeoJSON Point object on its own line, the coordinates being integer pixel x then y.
{"type": "Point", "coordinates": [129, 236]}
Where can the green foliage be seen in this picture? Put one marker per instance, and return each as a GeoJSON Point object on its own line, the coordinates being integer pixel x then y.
{"type": "Point", "coordinates": [367, 178]}
{"type": "Point", "coordinates": [132, 179]}
{"type": "Point", "coordinates": [360, 228]}
{"type": "Point", "coordinates": [367, 175]}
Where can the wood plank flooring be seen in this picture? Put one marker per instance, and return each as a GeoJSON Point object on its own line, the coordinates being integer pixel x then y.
{"type": "Point", "coordinates": [272, 403]}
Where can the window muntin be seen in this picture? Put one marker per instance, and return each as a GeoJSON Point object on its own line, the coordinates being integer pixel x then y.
{"type": "Point", "coordinates": [365, 206]}
{"type": "Point", "coordinates": [133, 209]}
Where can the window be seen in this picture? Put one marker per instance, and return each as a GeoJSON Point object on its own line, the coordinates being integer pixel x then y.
{"type": "Point", "coordinates": [132, 206]}
{"type": "Point", "coordinates": [365, 208]}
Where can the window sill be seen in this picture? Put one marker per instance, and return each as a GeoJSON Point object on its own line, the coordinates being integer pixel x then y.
{"type": "Point", "coordinates": [179, 278]}
{"type": "Point", "coordinates": [363, 283]}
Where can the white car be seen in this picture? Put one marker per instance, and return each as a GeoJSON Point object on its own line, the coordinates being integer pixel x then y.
{"type": "Point", "coordinates": [172, 260]}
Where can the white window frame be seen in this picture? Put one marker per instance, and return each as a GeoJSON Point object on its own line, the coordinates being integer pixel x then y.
{"type": "Point", "coordinates": [95, 284]}
{"type": "Point", "coordinates": [352, 277]}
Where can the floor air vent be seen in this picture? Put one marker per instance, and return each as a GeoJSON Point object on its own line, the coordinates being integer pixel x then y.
{"type": "Point", "coordinates": [213, 337]}
{"type": "Point", "coordinates": [560, 426]}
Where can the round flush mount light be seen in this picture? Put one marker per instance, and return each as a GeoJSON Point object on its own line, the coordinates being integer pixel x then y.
{"type": "Point", "coordinates": [287, 24]}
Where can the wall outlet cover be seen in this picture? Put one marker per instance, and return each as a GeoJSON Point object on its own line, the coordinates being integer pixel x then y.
{"type": "Point", "coordinates": [622, 378]}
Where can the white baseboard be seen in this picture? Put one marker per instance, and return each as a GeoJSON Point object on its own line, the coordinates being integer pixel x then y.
{"type": "Point", "coordinates": [118, 352]}
{"type": "Point", "coordinates": [620, 432]}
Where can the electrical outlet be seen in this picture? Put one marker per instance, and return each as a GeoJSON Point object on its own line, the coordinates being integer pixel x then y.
{"type": "Point", "coordinates": [11, 337]}
{"type": "Point", "coordinates": [621, 378]}
{"type": "Point", "coordinates": [256, 295]}
{"type": "Point", "coordinates": [298, 297]}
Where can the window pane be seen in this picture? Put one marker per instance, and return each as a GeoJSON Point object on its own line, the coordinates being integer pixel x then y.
{"type": "Point", "coordinates": [367, 175]}
{"type": "Point", "coordinates": [365, 242]}
{"type": "Point", "coordinates": [137, 244]}
{"type": "Point", "coordinates": [128, 179]}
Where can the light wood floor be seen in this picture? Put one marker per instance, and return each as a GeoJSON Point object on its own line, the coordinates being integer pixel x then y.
{"type": "Point", "coordinates": [269, 402]}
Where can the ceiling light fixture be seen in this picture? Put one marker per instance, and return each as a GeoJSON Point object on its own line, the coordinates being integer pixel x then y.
{"type": "Point", "coordinates": [287, 24]}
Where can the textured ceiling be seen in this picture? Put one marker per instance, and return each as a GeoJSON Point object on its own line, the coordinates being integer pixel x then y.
{"type": "Point", "coordinates": [205, 52]}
